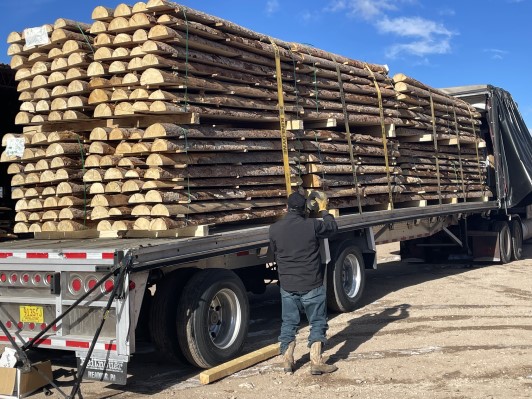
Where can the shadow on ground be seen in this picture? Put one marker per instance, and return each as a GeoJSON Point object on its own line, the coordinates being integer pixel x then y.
{"type": "Point", "coordinates": [149, 375]}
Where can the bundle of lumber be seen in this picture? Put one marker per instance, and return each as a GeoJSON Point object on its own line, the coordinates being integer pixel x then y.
{"type": "Point", "coordinates": [441, 153]}
{"type": "Point", "coordinates": [158, 117]}
{"type": "Point", "coordinates": [47, 175]}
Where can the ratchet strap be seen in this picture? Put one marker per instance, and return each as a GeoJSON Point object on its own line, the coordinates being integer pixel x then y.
{"type": "Point", "coordinates": [282, 118]}
{"type": "Point", "coordinates": [476, 146]}
{"type": "Point", "coordinates": [435, 139]}
{"type": "Point", "coordinates": [348, 135]}
{"type": "Point", "coordinates": [383, 134]}
{"type": "Point", "coordinates": [459, 154]}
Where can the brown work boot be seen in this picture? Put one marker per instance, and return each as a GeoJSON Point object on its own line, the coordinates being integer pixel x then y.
{"type": "Point", "coordinates": [317, 365]}
{"type": "Point", "coordinates": [288, 358]}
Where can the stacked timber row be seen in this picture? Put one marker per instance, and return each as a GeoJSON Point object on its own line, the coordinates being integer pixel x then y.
{"type": "Point", "coordinates": [47, 178]}
{"type": "Point", "coordinates": [182, 115]}
{"type": "Point", "coordinates": [168, 61]}
{"type": "Point", "coordinates": [441, 157]}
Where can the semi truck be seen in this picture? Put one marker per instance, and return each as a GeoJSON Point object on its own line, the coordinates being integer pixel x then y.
{"type": "Point", "coordinates": [94, 297]}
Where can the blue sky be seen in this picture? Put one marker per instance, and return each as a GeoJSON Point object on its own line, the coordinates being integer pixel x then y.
{"type": "Point", "coordinates": [441, 43]}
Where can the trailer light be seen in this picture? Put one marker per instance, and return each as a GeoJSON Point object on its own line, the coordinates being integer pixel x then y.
{"type": "Point", "coordinates": [25, 278]}
{"type": "Point", "coordinates": [37, 279]}
{"type": "Point", "coordinates": [3, 278]}
{"type": "Point", "coordinates": [20, 325]}
{"type": "Point", "coordinates": [43, 326]}
{"type": "Point", "coordinates": [13, 278]}
{"type": "Point", "coordinates": [109, 285]}
{"type": "Point", "coordinates": [54, 327]}
{"type": "Point", "coordinates": [9, 324]}
{"type": "Point", "coordinates": [31, 326]}
{"type": "Point", "coordinates": [132, 285]}
{"type": "Point", "coordinates": [48, 279]}
{"type": "Point", "coordinates": [91, 283]}
{"type": "Point", "coordinates": [75, 285]}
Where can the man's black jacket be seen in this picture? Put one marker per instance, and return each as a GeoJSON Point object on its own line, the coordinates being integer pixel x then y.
{"type": "Point", "coordinates": [294, 241]}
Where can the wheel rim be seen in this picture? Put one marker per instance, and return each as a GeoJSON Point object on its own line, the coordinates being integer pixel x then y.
{"type": "Point", "coordinates": [224, 318]}
{"type": "Point", "coordinates": [351, 278]}
{"type": "Point", "coordinates": [518, 239]}
{"type": "Point", "coordinates": [507, 237]}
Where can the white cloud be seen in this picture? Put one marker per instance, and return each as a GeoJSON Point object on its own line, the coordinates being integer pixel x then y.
{"type": "Point", "coordinates": [366, 9]}
{"type": "Point", "coordinates": [426, 36]}
{"type": "Point", "coordinates": [420, 48]}
{"type": "Point", "coordinates": [272, 6]}
{"type": "Point", "coordinates": [412, 26]}
{"type": "Point", "coordinates": [496, 54]}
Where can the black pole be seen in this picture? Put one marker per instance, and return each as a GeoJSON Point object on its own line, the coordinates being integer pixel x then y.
{"type": "Point", "coordinates": [30, 344]}
{"type": "Point", "coordinates": [113, 295]}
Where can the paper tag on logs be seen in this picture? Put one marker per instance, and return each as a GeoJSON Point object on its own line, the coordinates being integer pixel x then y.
{"type": "Point", "coordinates": [36, 36]}
{"type": "Point", "coordinates": [15, 147]}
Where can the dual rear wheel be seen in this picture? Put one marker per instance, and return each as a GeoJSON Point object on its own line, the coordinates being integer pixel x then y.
{"type": "Point", "coordinates": [202, 319]}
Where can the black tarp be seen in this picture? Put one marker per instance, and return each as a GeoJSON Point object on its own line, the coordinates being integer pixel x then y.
{"type": "Point", "coordinates": [512, 146]}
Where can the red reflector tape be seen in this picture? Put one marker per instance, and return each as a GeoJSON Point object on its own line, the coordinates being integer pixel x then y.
{"type": "Point", "coordinates": [77, 344]}
{"type": "Point", "coordinates": [110, 347]}
{"type": "Point", "coordinates": [108, 255]}
{"type": "Point", "coordinates": [3, 338]}
{"type": "Point", "coordinates": [43, 342]}
{"type": "Point", "coordinates": [6, 254]}
{"type": "Point", "coordinates": [242, 253]}
{"type": "Point", "coordinates": [37, 255]}
{"type": "Point", "coordinates": [75, 255]}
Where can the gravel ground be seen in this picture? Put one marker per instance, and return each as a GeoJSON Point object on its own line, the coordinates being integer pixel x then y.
{"type": "Point", "coordinates": [431, 331]}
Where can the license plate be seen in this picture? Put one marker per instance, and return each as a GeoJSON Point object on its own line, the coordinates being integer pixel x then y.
{"type": "Point", "coordinates": [32, 314]}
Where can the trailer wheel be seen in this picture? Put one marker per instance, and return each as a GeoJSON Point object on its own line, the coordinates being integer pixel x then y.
{"type": "Point", "coordinates": [517, 239]}
{"type": "Point", "coordinates": [212, 317]}
{"type": "Point", "coordinates": [345, 280]}
{"type": "Point", "coordinates": [505, 240]}
{"type": "Point", "coordinates": [162, 321]}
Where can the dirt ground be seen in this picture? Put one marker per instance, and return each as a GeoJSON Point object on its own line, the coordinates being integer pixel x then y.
{"type": "Point", "coordinates": [431, 331]}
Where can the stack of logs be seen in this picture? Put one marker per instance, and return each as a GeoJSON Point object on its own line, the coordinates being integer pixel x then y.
{"type": "Point", "coordinates": [444, 158]}
{"type": "Point", "coordinates": [177, 124]}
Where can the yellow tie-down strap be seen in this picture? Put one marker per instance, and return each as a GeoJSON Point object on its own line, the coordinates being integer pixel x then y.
{"type": "Point", "coordinates": [383, 133]}
{"type": "Point", "coordinates": [282, 119]}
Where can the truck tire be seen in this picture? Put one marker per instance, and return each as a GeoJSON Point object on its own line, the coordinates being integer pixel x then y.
{"type": "Point", "coordinates": [163, 316]}
{"type": "Point", "coordinates": [505, 240]}
{"type": "Point", "coordinates": [345, 280]}
{"type": "Point", "coordinates": [517, 239]}
{"type": "Point", "coordinates": [213, 317]}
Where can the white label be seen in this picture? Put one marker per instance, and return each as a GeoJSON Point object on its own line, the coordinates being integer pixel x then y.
{"type": "Point", "coordinates": [36, 36]}
{"type": "Point", "coordinates": [15, 147]}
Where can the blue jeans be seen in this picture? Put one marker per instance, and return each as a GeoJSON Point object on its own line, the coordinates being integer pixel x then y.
{"type": "Point", "coordinates": [314, 304]}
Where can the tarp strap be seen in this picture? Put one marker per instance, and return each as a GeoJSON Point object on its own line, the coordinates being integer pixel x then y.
{"type": "Point", "coordinates": [85, 37]}
{"type": "Point", "coordinates": [282, 118]}
{"type": "Point", "coordinates": [435, 140]}
{"type": "Point", "coordinates": [348, 136]}
{"type": "Point", "coordinates": [383, 134]}
{"type": "Point", "coordinates": [477, 139]}
{"type": "Point", "coordinates": [189, 194]}
{"type": "Point", "coordinates": [298, 101]}
{"type": "Point", "coordinates": [317, 98]}
{"type": "Point", "coordinates": [459, 154]}
{"type": "Point", "coordinates": [82, 155]}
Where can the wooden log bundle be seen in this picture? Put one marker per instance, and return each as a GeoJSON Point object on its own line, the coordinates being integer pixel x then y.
{"type": "Point", "coordinates": [160, 117]}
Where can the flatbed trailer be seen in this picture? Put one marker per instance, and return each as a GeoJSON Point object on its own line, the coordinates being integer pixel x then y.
{"type": "Point", "coordinates": [189, 296]}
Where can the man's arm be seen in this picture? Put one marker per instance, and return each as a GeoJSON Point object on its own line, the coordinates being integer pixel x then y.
{"type": "Point", "coordinates": [326, 228]}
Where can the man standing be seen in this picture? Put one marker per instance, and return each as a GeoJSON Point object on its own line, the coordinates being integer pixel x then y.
{"type": "Point", "coordinates": [294, 241]}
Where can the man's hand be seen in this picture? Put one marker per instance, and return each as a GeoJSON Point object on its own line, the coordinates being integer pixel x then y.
{"type": "Point", "coordinates": [322, 201]}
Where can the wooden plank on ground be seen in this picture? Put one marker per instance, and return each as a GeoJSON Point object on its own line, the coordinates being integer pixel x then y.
{"type": "Point", "coordinates": [240, 363]}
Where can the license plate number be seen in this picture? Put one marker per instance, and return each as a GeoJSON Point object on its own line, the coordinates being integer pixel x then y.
{"type": "Point", "coordinates": [32, 314]}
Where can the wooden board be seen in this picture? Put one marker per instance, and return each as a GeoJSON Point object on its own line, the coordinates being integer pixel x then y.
{"type": "Point", "coordinates": [240, 363]}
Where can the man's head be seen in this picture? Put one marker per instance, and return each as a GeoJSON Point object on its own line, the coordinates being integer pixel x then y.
{"type": "Point", "coordinates": [296, 203]}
